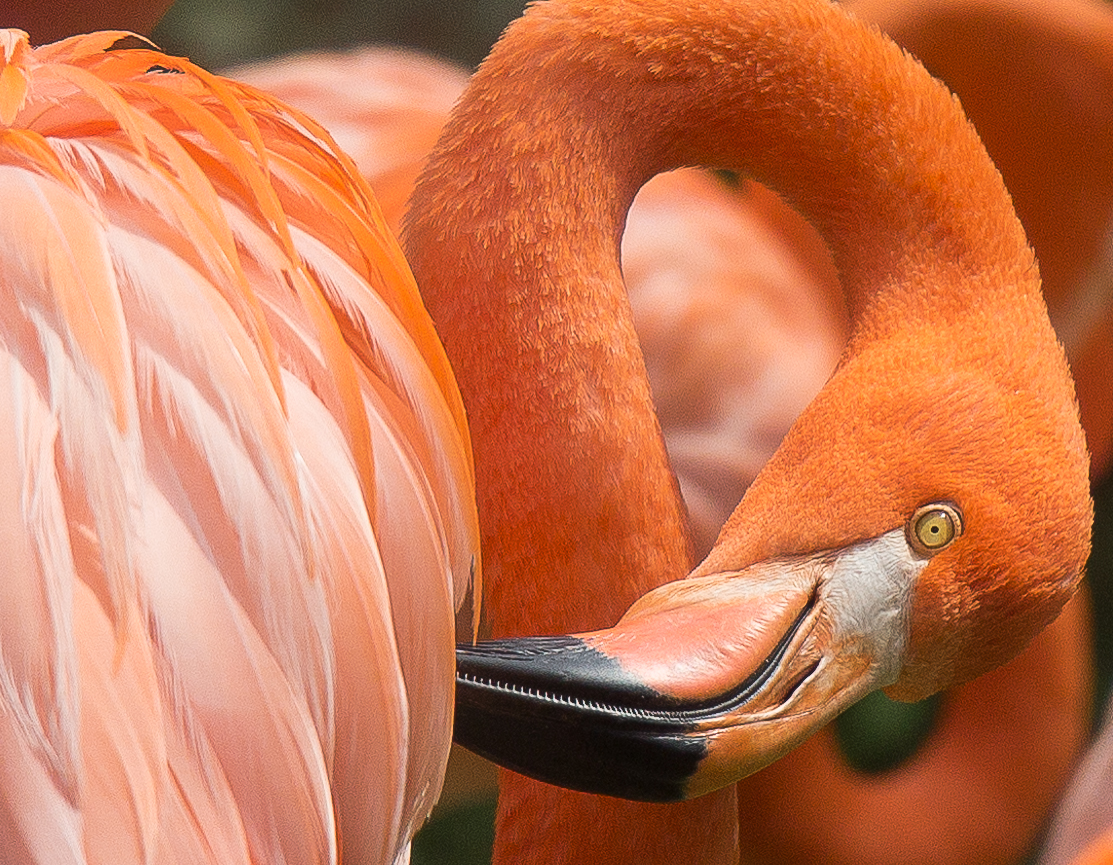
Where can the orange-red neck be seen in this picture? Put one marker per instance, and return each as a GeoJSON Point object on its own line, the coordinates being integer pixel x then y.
{"type": "Point", "coordinates": [567, 119]}
{"type": "Point", "coordinates": [514, 232]}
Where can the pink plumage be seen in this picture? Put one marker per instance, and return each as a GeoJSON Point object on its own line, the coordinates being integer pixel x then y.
{"type": "Point", "coordinates": [237, 492]}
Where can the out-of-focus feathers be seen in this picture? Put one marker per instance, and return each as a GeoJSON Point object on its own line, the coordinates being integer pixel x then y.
{"type": "Point", "coordinates": [388, 123]}
{"type": "Point", "coordinates": [236, 495]}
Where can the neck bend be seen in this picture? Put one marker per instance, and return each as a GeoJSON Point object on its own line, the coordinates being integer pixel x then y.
{"type": "Point", "coordinates": [513, 235]}
{"type": "Point", "coordinates": [514, 231]}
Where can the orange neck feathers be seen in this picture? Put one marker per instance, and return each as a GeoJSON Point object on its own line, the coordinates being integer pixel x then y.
{"type": "Point", "coordinates": [513, 237]}
{"type": "Point", "coordinates": [953, 387]}
{"type": "Point", "coordinates": [1042, 102]}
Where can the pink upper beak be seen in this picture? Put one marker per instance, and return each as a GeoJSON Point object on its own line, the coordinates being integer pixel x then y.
{"type": "Point", "coordinates": [702, 682]}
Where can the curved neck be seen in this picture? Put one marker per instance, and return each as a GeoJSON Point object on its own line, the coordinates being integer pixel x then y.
{"type": "Point", "coordinates": [513, 235]}
{"type": "Point", "coordinates": [581, 105]}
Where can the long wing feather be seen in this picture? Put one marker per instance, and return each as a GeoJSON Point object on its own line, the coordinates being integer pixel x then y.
{"type": "Point", "coordinates": [40, 761]}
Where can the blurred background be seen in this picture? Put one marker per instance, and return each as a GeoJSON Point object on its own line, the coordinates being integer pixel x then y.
{"type": "Point", "coordinates": [217, 33]}
{"type": "Point", "coordinates": [223, 33]}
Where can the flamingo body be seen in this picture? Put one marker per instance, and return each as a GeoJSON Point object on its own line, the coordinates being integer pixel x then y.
{"type": "Point", "coordinates": [238, 492]}
{"type": "Point", "coordinates": [940, 301]}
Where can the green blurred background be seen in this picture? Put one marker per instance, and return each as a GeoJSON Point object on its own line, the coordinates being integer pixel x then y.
{"type": "Point", "coordinates": [218, 33]}
{"type": "Point", "coordinates": [877, 734]}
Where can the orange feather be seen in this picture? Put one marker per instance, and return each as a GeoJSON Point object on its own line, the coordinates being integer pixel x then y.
{"type": "Point", "coordinates": [867, 454]}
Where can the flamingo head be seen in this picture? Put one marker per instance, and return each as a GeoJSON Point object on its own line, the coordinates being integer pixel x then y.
{"type": "Point", "coordinates": [925, 517]}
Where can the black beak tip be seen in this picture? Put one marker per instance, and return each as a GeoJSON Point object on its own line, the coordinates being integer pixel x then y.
{"type": "Point", "coordinates": [559, 711]}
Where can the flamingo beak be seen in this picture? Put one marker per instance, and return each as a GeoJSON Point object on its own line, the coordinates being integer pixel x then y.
{"type": "Point", "coordinates": [702, 682]}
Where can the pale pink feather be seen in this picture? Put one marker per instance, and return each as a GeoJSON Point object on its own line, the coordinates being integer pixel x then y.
{"type": "Point", "coordinates": [237, 489]}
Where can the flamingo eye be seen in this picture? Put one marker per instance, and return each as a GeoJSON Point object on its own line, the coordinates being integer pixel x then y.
{"type": "Point", "coordinates": [933, 527]}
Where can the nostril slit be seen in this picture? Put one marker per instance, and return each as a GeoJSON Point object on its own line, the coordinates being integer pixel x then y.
{"type": "Point", "coordinates": [805, 674]}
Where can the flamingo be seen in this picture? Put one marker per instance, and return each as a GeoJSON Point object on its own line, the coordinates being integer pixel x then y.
{"type": "Point", "coordinates": [675, 223]}
{"type": "Point", "coordinates": [933, 289]}
{"type": "Point", "coordinates": [1041, 103]}
{"type": "Point", "coordinates": [159, 70]}
{"type": "Point", "coordinates": [238, 501]}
